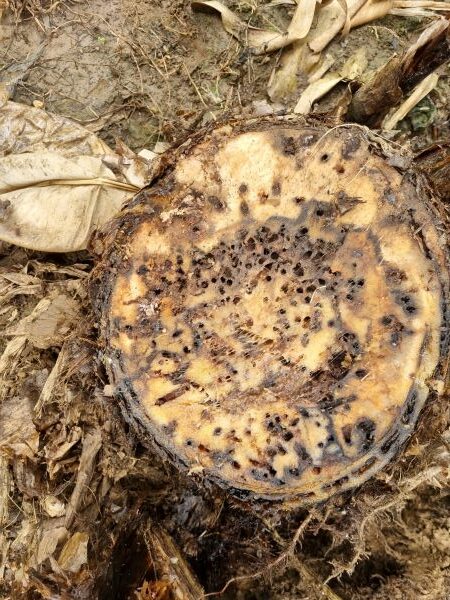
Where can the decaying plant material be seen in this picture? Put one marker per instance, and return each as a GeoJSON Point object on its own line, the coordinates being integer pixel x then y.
{"type": "Point", "coordinates": [272, 329]}
{"type": "Point", "coordinates": [435, 162]}
{"type": "Point", "coordinates": [258, 40]}
{"type": "Point", "coordinates": [422, 90]}
{"type": "Point", "coordinates": [313, 27]}
{"type": "Point", "coordinates": [45, 158]}
{"type": "Point", "coordinates": [318, 87]}
{"type": "Point", "coordinates": [401, 74]}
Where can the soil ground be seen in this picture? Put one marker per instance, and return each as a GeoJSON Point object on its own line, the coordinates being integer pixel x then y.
{"type": "Point", "coordinates": [151, 71]}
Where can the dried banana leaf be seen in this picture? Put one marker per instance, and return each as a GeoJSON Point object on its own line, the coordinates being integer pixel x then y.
{"type": "Point", "coordinates": [29, 129]}
{"type": "Point", "coordinates": [372, 10]}
{"type": "Point", "coordinates": [55, 188]}
{"type": "Point", "coordinates": [52, 203]}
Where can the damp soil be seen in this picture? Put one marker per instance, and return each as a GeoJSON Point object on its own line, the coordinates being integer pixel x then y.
{"type": "Point", "coordinates": [147, 72]}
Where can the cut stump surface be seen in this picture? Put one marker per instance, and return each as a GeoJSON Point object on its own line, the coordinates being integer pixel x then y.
{"type": "Point", "coordinates": [272, 308]}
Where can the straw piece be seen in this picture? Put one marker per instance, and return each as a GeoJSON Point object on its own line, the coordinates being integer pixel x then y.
{"type": "Point", "coordinates": [421, 90]}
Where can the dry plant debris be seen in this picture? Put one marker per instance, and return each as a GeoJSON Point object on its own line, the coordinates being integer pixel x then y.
{"type": "Point", "coordinates": [318, 87]}
{"type": "Point", "coordinates": [170, 565]}
{"type": "Point", "coordinates": [313, 27]}
{"type": "Point", "coordinates": [435, 162]}
{"type": "Point", "coordinates": [385, 88]}
{"type": "Point", "coordinates": [422, 90]}
{"type": "Point", "coordinates": [57, 183]}
{"type": "Point", "coordinates": [258, 40]}
{"type": "Point", "coordinates": [274, 329]}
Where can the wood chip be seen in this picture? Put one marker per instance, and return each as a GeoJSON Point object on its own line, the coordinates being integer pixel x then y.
{"type": "Point", "coordinates": [18, 284]}
{"type": "Point", "coordinates": [91, 445]}
{"type": "Point", "coordinates": [8, 362]}
{"type": "Point", "coordinates": [47, 391]}
{"type": "Point", "coordinates": [5, 478]}
{"type": "Point", "coordinates": [18, 435]}
{"type": "Point", "coordinates": [170, 565]}
{"type": "Point", "coordinates": [52, 319]}
{"type": "Point", "coordinates": [4, 547]}
{"type": "Point", "coordinates": [74, 552]}
{"type": "Point", "coordinates": [50, 538]}
{"type": "Point", "coordinates": [24, 536]}
{"type": "Point", "coordinates": [59, 448]}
